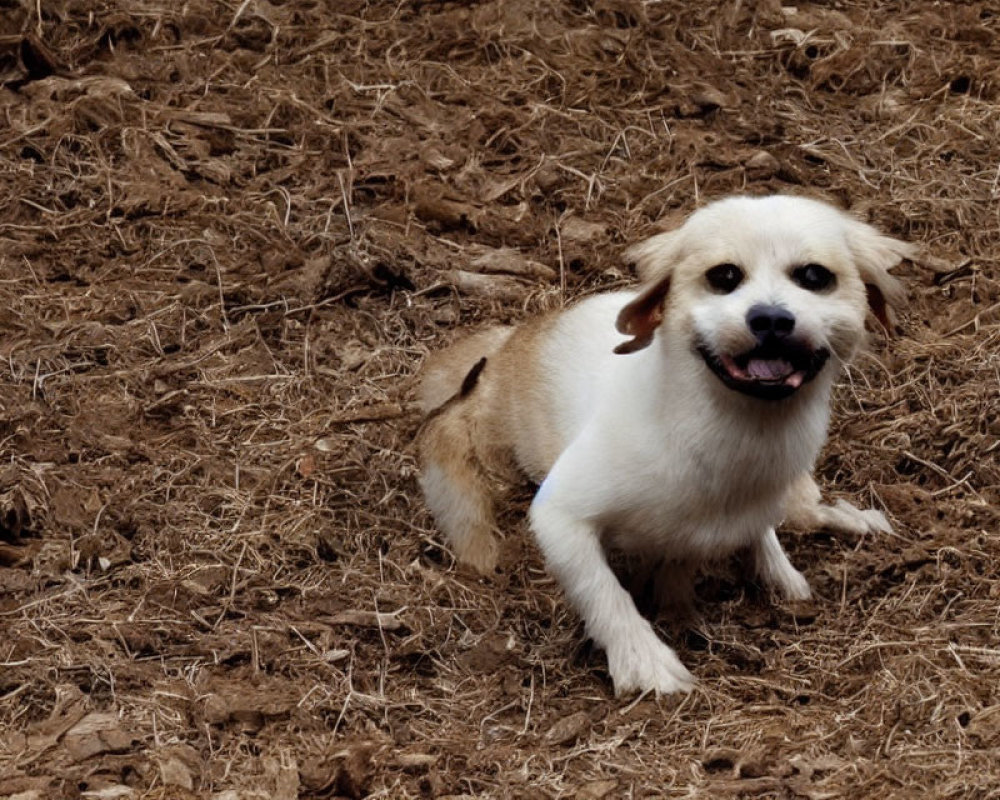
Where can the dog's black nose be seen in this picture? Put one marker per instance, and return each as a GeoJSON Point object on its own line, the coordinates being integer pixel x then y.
{"type": "Point", "coordinates": [770, 322]}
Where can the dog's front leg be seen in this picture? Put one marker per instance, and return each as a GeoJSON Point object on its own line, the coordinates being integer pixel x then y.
{"type": "Point", "coordinates": [637, 658]}
{"type": "Point", "coordinates": [774, 568]}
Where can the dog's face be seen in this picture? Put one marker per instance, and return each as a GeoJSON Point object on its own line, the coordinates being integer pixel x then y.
{"type": "Point", "coordinates": [765, 291]}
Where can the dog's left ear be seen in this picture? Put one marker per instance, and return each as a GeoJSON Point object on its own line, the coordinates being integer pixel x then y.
{"type": "Point", "coordinates": [875, 254]}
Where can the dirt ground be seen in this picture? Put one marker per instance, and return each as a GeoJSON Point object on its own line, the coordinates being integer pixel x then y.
{"type": "Point", "coordinates": [230, 231]}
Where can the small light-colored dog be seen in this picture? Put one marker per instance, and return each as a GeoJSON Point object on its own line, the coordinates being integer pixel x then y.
{"type": "Point", "coordinates": [691, 439]}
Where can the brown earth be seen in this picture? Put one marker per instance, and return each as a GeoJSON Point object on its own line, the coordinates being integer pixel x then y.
{"type": "Point", "coordinates": [229, 234]}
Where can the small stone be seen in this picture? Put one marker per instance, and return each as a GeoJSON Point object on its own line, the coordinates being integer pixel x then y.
{"type": "Point", "coordinates": [596, 790]}
{"type": "Point", "coordinates": [568, 729]}
{"type": "Point", "coordinates": [708, 98]}
{"type": "Point", "coordinates": [763, 161]}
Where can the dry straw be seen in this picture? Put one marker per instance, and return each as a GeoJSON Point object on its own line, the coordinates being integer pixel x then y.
{"type": "Point", "coordinates": [229, 233]}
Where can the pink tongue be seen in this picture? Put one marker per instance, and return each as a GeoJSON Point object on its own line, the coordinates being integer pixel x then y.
{"type": "Point", "coordinates": [769, 369]}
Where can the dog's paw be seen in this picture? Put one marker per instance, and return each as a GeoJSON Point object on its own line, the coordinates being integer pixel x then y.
{"type": "Point", "coordinates": [793, 585]}
{"type": "Point", "coordinates": [481, 553]}
{"type": "Point", "coordinates": [868, 520]}
{"type": "Point", "coordinates": [639, 661]}
{"type": "Point", "coordinates": [777, 571]}
{"type": "Point", "coordinates": [843, 516]}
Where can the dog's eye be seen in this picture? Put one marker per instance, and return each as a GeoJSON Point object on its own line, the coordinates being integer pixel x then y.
{"type": "Point", "coordinates": [724, 278]}
{"type": "Point", "coordinates": [814, 277]}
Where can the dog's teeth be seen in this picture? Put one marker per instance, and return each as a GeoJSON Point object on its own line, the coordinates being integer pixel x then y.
{"type": "Point", "coordinates": [769, 369]}
{"type": "Point", "coordinates": [795, 380]}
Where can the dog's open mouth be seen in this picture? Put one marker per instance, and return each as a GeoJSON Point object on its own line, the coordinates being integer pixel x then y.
{"type": "Point", "coordinates": [771, 371]}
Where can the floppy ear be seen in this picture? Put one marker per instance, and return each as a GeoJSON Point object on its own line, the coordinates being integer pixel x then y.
{"type": "Point", "coordinates": [654, 261]}
{"type": "Point", "coordinates": [640, 318]}
{"type": "Point", "coordinates": [875, 254]}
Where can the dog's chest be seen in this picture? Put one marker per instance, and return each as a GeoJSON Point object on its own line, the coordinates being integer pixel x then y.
{"type": "Point", "coordinates": [707, 496]}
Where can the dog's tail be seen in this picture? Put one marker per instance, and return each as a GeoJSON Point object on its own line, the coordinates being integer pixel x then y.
{"type": "Point", "coordinates": [444, 373]}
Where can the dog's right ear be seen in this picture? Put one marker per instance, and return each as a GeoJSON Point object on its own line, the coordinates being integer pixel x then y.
{"type": "Point", "coordinates": [640, 318]}
{"type": "Point", "coordinates": [654, 261]}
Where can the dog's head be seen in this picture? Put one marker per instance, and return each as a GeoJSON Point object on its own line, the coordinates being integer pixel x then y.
{"type": "Point", "coordinates": [765, 290]}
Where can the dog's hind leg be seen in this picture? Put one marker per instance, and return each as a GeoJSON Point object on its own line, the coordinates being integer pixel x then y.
{"type": "Point", "coordinates": [456, 485]}
{"type": "Point", "coordinates": [804, 509]}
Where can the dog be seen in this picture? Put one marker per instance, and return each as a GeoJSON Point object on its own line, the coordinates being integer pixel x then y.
{"type": "Point", "coordinates": [688, 440]}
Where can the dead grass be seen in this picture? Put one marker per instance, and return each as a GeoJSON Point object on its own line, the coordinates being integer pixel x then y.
{"type": "Point", "coordinates": [230, 231]}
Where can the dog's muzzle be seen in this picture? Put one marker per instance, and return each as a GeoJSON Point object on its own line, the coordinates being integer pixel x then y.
{"type": "Point", "coordinates": [771, 371]}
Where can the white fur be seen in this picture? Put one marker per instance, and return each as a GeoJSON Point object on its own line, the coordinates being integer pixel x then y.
{"type": "Point", "coordinates": [649, 451]}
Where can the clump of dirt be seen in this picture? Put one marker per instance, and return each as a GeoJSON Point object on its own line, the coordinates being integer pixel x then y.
{"type": "Point", "coordinates": [229, 234]}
